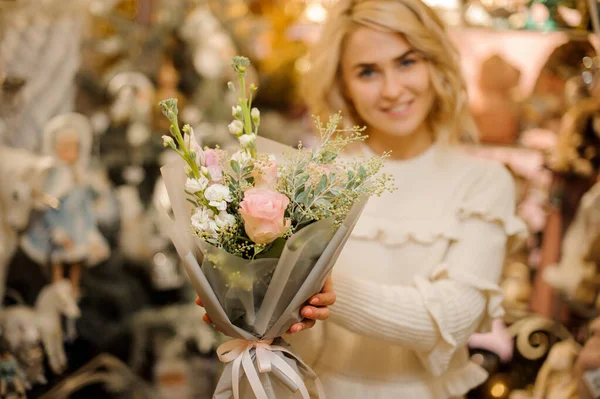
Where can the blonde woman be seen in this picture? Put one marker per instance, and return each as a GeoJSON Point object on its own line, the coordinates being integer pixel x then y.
{"type": "Point", "coordinates": [420, 273]}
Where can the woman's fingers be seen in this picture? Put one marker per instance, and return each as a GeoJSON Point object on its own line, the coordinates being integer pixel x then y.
{"type": "Point", "coordinates": [206, 318]}
{"type": "Point", "coordinates": [314, 313]}
{"type": "Point", "coordinates": [303, 325]}
{"type": "Point", "coordinates": [327, 295]}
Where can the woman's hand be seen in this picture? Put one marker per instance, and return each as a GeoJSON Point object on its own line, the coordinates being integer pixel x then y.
{"type": "Point", "coordinates": [316, 308]}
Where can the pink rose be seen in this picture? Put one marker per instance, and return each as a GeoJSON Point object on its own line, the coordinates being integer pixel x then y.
{"type": "Point", "coordinates": [263, 212]}
{"type": "Point", "coordinates": [265, 174]}
{"type": "Point", "coordinates": [212, 161]}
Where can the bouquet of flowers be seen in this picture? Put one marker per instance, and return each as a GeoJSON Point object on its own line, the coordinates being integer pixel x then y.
{"type": "Point", "coordinates": [259, 231]}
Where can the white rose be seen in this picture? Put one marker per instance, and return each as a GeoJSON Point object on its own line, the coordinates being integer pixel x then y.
{"type": "Point", "coordinates": [195, 185]}
{"type": "Point", "coordinates": [247, 139]}
{"type": "Point", "coordinates": [236, 127]}
{"type": "Point", "coordinates": [224, 219]}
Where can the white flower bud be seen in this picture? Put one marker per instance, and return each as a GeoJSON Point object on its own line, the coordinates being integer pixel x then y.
{"type": "Point", "coordinates": [236, 128]}
{"type": "Point", "coordinates": [246, 140]}
{"type": "Point", "coordinates": [236, 111]}
{"type": "Point", "coordinates": [168, 141]}
{"type": "Point", "coordinates": [187, 129]}
{"type": "Point", "coordinates": [255, 113]}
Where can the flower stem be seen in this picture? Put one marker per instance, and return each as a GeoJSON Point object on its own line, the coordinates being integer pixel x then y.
{"type": "Point", "coordinates": [185, 152]}
{"type": "Point", "coordinates": [245, 104]}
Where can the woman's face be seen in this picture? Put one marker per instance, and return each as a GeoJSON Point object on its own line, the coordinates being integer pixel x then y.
{"type": "Point", "coordinates": [387, 82]}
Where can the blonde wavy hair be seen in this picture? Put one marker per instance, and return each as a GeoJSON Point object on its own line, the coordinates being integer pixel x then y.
{"type": "Point", "coordinates": [322, 85]}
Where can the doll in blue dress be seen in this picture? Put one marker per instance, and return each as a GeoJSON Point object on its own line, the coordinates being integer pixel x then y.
{"type": "Point", "coordinates": [68, 235]}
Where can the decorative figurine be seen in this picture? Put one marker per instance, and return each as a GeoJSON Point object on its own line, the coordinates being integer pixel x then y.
{"type": "Point", "coordinates": [132, 94]}
{"type": "Point", "coordinates": [68, 235]}
{"type": "Point", "coordinates": [516, 286]}
{"type": "Point", "coordinates": [55, 300]}
{"type": "Point", "coordinates": [22, 176]}
{"type": "Point", "coordinates": [587, 367]}
{"type": "Point", "coordinates": [11, 382]}
{"type": "Point", "coordinates": [576, 274]}
{"type": "Point", "coordinates": [497, 341]}
{"type": "Point", "coordinates": [494, 109]}
{"type": "Point", "coordinates": [555, 380]}
{"type": "Point", "coordinates": [548, 102]}
{"type": "Point", "coordinates": [20, 329]}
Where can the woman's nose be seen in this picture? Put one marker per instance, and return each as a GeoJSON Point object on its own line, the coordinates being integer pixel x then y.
{"type": "Point", "coordinates": [393, 86]}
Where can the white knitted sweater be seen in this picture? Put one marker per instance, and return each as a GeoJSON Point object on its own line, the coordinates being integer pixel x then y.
{"type": "Point", "coordinates": [418, 276]}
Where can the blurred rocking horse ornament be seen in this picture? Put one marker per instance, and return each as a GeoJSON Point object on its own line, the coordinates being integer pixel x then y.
{"type": "Point", "coordinates": [53, 302]}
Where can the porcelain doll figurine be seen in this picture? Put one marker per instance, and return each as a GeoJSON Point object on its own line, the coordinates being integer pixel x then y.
{"type": "Point", "coordinates": [132, 94]}
{"type": "Point", "coordinates": [68, 235]}
{"type": "Point", "coordinates": [126, 144]}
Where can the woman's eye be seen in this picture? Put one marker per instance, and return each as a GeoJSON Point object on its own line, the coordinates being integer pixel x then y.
{"type": "Point", "coordinates": [365, 73]}
{"type": "Point", "coordinates": [407, 62]}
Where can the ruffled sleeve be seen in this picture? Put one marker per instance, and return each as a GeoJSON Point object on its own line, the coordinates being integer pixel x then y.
{"type": "Point", "coordinates": [437, 313]}
{"type": "Point", "coordinates": [491, 197]}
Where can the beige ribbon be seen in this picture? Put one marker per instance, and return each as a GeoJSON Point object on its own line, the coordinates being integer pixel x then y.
{"type": "Point", "coordinates": [238, 352]}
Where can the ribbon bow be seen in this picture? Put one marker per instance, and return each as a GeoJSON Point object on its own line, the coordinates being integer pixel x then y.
{"type": "Point", "coordinates": [238, 352]}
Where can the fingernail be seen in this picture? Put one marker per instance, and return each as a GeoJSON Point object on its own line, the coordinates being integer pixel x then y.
{"type": "Point", "coordinates": [314, 301]}
{"type": "Point", "coordinates": [307, 312]}
{"type": "Point", "coordinates": [298, 328]}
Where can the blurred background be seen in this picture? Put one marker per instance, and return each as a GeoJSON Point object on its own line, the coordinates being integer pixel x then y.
{"type": "Point", "coordinates": [102, 66]}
